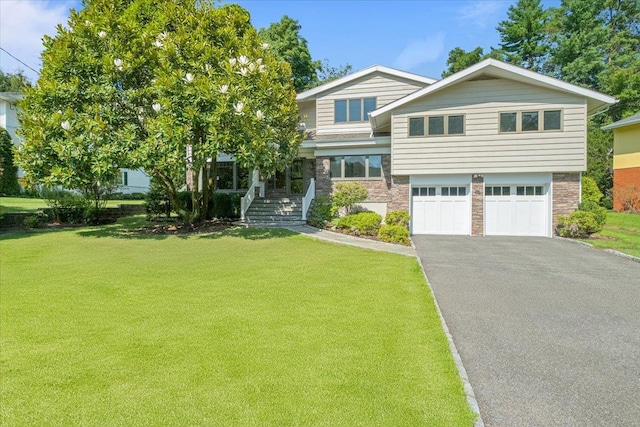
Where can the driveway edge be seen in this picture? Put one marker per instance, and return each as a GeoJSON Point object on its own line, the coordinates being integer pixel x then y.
{"type": "Point", "coordinates": [468, 390]}
{"type": "Point", "coordinates": [589, 245]}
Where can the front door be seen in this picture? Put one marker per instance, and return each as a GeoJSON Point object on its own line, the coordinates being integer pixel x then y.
{"type": "Point", "coordinates": [288, 182]}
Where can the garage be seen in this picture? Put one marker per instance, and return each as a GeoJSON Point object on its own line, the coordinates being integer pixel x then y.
{"type": "Point", "coordinates": [440, 209]}
{"type": "Point", "coordinates": [516, 209]}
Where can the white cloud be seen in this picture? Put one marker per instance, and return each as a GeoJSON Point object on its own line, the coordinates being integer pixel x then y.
{"type": "Point", "coordinates": [419, 52]}
{"type": "Point", "coordinates": [23, 23]}
{"type": "Point", "coordinates": [481, 13]}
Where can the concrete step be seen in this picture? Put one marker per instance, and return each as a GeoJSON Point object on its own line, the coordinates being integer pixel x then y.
{"type": "Point", "coordinates": [269, 224]}
{"type": "Point", "coordinates": [283, 218]}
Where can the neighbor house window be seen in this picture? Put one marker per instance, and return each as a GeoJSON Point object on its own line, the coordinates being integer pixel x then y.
{"type": "Point", "coordinates": [353, 110]}
{"type": "Point", "coordinates": [436, 125]}
{"type": "Point", "coordinates": [355, 167]}
{"type": "Point", "coordinates": [125, 178]}
{"type": "Point", "coordinates": [530, 121]}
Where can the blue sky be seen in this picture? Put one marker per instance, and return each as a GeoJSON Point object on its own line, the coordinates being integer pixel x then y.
{"type": "Point", "coordinates": [410, 35]}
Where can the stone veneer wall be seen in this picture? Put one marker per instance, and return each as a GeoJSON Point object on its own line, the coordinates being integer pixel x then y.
{"type": "Point", "coordinates": [477, 206]}
{"type": "Point", "coordinates": [393, 190]}
{"type": "Point", "coordinates": [566, 194]}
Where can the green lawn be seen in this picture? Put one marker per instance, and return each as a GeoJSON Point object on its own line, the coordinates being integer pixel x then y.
{"type": "Point", "coordinates": [103, 326]}
{"type": "Point", "coordinates": [622, 233]}
{"type": "Point", "coordinates": [20, 204]}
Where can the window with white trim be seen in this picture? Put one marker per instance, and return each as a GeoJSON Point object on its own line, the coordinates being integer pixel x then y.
{"type": "Point", "coordinates": [353, 110]}
{"type": "Point", "coordinates": [359, 166]}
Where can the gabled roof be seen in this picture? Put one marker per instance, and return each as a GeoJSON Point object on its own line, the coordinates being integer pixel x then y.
{"type": "Point", "coordinates": [633, 120]}
{"type": "Point", "coordinates": [312, 93]}
{"type": "Point", "coordinates": [11, 97]}
{"type": "Point", "coordinates": [499, 69]}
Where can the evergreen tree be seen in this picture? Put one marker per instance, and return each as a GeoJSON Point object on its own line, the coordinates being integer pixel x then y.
{"type": "Point", "coordinates": [459, 59]}
{"type": "Point", "coordinates": [8, 171]}
{"type": "Point", "coordinates": [524, 36]}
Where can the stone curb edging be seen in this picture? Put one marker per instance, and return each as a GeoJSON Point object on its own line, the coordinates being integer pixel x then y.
{"type": "Point", "coordinates": [468, 390]}
{"type": "Point", "coordinates": [589, 245]}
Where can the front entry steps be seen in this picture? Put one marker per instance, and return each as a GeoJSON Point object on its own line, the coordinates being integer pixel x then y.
{"type": "Point", "coordinates": [274, 212]}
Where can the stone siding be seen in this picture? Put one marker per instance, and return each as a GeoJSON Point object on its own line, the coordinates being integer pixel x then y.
{"type": "Point", "coordinates": [566, 194]}
{"type": "Point", "coordinates": [477, 206]}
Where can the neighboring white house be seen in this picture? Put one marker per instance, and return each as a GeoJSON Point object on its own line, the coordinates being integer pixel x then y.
{"type": "Point", "coordinates": [492, 150]}
{"type": "Point", "coordinates": [133, 181]}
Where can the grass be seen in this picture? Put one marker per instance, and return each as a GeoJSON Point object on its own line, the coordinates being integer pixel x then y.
{"type": "Point", "coordinates": [621, 232]}
{"type": "Point", "coordinates": [21, 204]}
{"type": "Point", "coordinates": [242, 328]}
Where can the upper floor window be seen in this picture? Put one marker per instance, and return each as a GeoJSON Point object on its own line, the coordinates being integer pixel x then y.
{"type": "Point", "coordinates": [531, 121]}
{"type": "Point", "coordinates": [353, 110]}
{"type": "Point", "coordinates": [436, 125]}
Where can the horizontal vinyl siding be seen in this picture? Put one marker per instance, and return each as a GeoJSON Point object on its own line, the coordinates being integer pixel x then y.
{"type": "Point", "coordinates": [383, 87]}
{"type": "Point", "coordinates": [482, 149]}
{"type": "Point", "coordinates": [308, 109]}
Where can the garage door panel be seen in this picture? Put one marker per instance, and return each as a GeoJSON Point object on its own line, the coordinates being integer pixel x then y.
{"type": "Point", "coordinates": [516, 213]}
{"type": "Point", "coordinates": [439, 214]}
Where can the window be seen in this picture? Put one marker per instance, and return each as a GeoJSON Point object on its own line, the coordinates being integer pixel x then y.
{"type": "Point", "coordinates": [530, 190]}
{"type": "Point", "coordinates": [353, 110]}
{"type": "Point", "coordinates": [497, 191]}
{"type": "Point", "coordinates": [552, 120]}
{"type": "Point", "coordinates": [225, 175]}
{"type": "Point", "coordinates": [355, 167]}
{"type": "Point", "coordinates": [508, 122]}
{"type": "Point", "coordinates": [340, 111]}
{"type": "Point", "coordinates": [529, 121]}
{"type": "Point", "coordinates": [423, 191]}
{"type": "Point", "coordinates": [456, 125]}
{"type": "Point", "coordinates": [416, 126]}
{"type": "Point", "coordinates": [125, 178]}
{"type": "Point", "coordinates": [436, 125]}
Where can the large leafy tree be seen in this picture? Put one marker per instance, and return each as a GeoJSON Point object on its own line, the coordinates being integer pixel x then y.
{"type": "Point", "coordinates": [12, 82]}
{"type": "Point", "coordinates": [160, 84]}
{"type": "Point", "coordinates": [287, 43]}
{"type": "Point", "coordinates": [524, 35]}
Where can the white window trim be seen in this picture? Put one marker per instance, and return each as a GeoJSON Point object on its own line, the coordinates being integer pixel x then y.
{"type": "Point", "coordinates": [363, 119]}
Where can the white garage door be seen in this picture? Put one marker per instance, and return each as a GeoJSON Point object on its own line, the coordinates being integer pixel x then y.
{"type": "Point", "coordinates": [516, 210]}
{"type": "Point", "coordinates": [440, 210]}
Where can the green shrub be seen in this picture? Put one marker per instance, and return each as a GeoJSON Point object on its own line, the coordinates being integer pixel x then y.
{"type": "Point", "coordinates": [590, 190]}
{"type": "Point", "coordinates": [347, 195]}
{"type": "Point", "coordinates": [580, 224]}
{"type": "Point", "coordinates": [157, 201]}
{"type": "Point", "coordinates": [607, 203]}
{"type": "Point", "coordinates": [36, 220]}
{"type": "Point", "coordinates": [599, 212]}
{"type": "Point", "coordinates": [394, 234]}
{"type": "Point", "coordinates": [321, 212]}
{"type": "Point", "coordinates": [361, 223]}
{"type": "Point", "coordinates": [66, 207]}
{"type": "Point", "coordinates": [224, 205]}
{"type": "Point", "coordinates": [397, 218]}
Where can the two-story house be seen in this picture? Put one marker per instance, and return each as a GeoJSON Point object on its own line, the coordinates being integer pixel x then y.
{"type": "Point", "coordinates": [492, 150]}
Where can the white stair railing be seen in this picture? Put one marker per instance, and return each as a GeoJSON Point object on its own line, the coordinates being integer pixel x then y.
{"type": "Point", "coordinates": [247, 199]}
{"type": "Point", "coordinates": [308, 198]}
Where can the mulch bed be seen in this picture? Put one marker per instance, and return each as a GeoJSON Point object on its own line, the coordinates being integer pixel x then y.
{"type": "Point", "coordinates": [177, 228]}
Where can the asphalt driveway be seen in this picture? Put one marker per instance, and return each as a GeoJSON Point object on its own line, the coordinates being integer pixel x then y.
{"type": "Point", "coordinates": [548, 330]}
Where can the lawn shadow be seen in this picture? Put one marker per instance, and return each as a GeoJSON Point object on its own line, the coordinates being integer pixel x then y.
{"type": "Point", "coordinates": [23, 233]}
{"type": "Point", "coordinates": [137, 227]}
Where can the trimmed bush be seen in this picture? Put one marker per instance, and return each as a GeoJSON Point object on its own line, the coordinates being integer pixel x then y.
{"type": "Point", "coordinates": [224, 205]}
{"type": "Point", "coordinates": [590, 190]}
{"type": "Point", "coordinates": [157, 201]}
{"type": "Point", "coordinates": [607, 203]}
{"type": "Point", "coordinates": [67, 207]}
{"type": "Point", "coordinates": [36, 220]}
{"type": "Point", "coordinates": [347, 195]}
{"type": "Point", "coordinates": [394, 234]}
{"type": "Point", "coordinates": [599, 212]}
{"type": "Point", "coordinates": [397, 218]}
{"type": "Point", "coordinates": [321, 212]}
{"type": "Point", "coordinates": [361, 223]}
{"type": "Point", "coordinates": [580, 224]}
